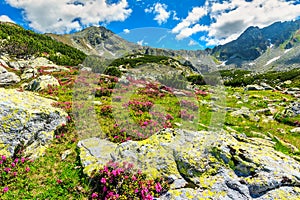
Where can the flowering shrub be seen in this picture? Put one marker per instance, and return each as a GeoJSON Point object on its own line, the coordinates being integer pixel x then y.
{"type": "Point", "coordinates": [201, 92]}
{"type": "Point", "coordinates": [137, 105]}
{"type": "Point", "coordinates": [67, 106]}
{"type": "Point", "coordinates": [183, 114]}
{"type": "Point", "coordinates": [106, 110]}
{"type": "Point", "coordinates": [117, 99]}
{"type": "Point", "coordinates": [189, 104]}
{"type": "Point", "coordinates": [102, 91]}
{"type": "Point", "coordinates": [115, 181]}
{"type": "Point", "coordinates": [126, 131]}
{"type": "Point", "coordinates": [12, 170]}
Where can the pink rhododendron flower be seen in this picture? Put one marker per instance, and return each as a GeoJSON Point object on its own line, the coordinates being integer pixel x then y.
{"type": "Point", "coordinates": [158, 187]}
{"type": "Point", "coordinates": [103, 180]}
{"type": "Point", "coordinates": [5, 189]}
{"type": "Point", "coordinates": [59, 181]}
{"type": "Point", "coordinates": [94, 195]}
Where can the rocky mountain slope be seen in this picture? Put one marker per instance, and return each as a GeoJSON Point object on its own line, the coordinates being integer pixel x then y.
{"type": "Point", "coordinates": [275, 47]}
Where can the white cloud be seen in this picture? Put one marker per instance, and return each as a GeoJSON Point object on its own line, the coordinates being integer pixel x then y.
{"type": "Point", "coordinates": [126, 31]}
{"type": "Point", "coordinates": [5, 18]}
{"type": "Point", "coordinates": [231, 18]}
{"type": "Point", "coordinates": [192, 43]}
{"type": "Point", "coordinates": [188, 31]}
{"type": "Point", "coordinates": [140, 42]}
{"type": "Point", "coordinates": [160, 11]}
{"type": "Point", "coordinates": [62, 16]}
{"type": "Point", "coordinates": [175, 16]}
{"type": "Point", "coordinates": [184, 26]}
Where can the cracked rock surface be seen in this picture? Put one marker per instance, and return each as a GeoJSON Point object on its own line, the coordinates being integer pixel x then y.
{"type": "Point", "coordinates": [230, 167]}
{"type": "Point", "coordinates": [27, 120]}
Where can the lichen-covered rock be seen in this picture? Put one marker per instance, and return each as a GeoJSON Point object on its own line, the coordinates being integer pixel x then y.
{"type": "Point", "coordinates": [42, 83]}
{"type": "Point", "coordinates": [29, 73]}
{"type": "Point", "coordinates": [204, 165]}
{"type": "Point", "coordinates": [8, 78]}
{"type": "Point", "coordinates": [27, 120]}
{"type": "Point", "coordinates": [245, 113]}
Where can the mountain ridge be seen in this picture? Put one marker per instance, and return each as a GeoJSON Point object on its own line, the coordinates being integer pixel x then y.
{"type": "Point", "coordinates": [252, 44]}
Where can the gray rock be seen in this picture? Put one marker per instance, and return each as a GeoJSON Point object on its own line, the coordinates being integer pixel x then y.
{"type": "Point", "coordinates": [123, 80]}
{"type": "Point", "coordinates": [18, 65]}
{"type": "Point", "coordinates": [254, 87]}
{"type": "Point", "coordinates": [246, 113]}
{"type": "Point", "coordinates": [29, 73]}
{"type": "Point", "coordinates": [2, 70]}
{"type": "Point", "coordinates": [278, 88]}
{"type": "Point", "coordinates": [294, 89]}
{"type": "Point", "coordinates": [86, 69]}
{"type": "Point", "coordinates": [295, 130]}
{"type": "Point", "coordinates": [3, 63]}
{"type": "Point", "coordinates": [65, 154]}
{"type": "Point", "coordinates": [41, 83]}
{"type": "Point", "coordinates": [8, 78]}
{"type": "Point", "coordinates": [267, 86]}
{"type": "Point", "coordinates": [27, 120]}
{"type": "Point", "coordinates": [179, 93]}
{"type": "Point", "coordinates": [208, 165]}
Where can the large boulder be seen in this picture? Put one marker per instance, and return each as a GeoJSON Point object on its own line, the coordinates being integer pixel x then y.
{"type": "Point", "coordinates": [8, 78]}
{"type": "Point", "coordinates": [42, 83]}
{"type": "Point", "coordinates": [27, 120]}
{"type": "Point", "coordinates": [204, 165]}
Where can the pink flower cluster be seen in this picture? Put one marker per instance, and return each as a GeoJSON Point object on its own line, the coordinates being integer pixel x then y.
{"type": "Point", "coordinates": [189, 104]}
{"type": "Point", "coordinates": [183, 114]}
{"type": "Point", "coordinates": [114, 181]}
{"type": "Point", "coordinates": [137, 105]}
{"type": "Point", "coordinates": [10, 169]}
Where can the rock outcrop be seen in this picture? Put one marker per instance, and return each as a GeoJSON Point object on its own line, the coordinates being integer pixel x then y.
{"type": "Point", "coordinates": [8, 78]}
{"type": "Point", "coordinates": [27, 121]}
{"type": "Point", "coordinates": [231, 166]}
{"type": "Point", "coordinates": [41, 83]}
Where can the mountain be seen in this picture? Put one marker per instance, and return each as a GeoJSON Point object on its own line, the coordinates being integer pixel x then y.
{"type": "Point", "coordinates": [104, 43]}
{"type": "Point", "coordinates": [275, 47]}
{"type": "Point", "coordinates": [97, 41]}
{"type": "Point", "coordinates": [264, 45]}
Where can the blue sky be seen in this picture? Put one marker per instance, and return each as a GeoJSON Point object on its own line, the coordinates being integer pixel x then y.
{"type": "Point", "coordinates": [176, 24]}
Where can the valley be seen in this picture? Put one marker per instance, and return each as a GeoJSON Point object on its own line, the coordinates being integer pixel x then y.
{"type": "Point", "coordinates": [98, 117]}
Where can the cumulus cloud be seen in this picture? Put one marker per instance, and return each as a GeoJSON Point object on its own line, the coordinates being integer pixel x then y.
{"type": "Point", "coordinates": [142, 42]}
{"type": "Point", "coordinates": [231, 18]}
{"type": "Point", "coordinates": [5, 18]}
{"type": "Point", "coordinates": [126, 31]}
{"type": "Point", "coordinates": [175, 16]}
{"type": "Point", "coordinates": [191, 20]}
{"type": "Point", "coordinates": [62, 16]}
{"type": "Point", "coordinates": [160, 11]}
{"type": "Point", "coordinates": [192, 43]}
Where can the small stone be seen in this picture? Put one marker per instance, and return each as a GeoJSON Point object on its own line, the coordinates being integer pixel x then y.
{"type": "Point", "coordinates": [65, 154]}
{"type": "Point", "coordinates": [253, 87]}
{"type": "Point", "coordinates": [295, 130]}
{"type": "Point", "coordinates": [288, 82]}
